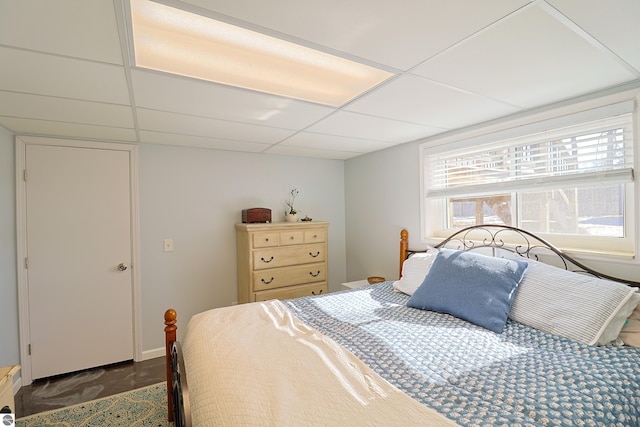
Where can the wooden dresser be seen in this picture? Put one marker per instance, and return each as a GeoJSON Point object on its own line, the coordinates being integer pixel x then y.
{"type": "Point", "coordinates": [281, 260]}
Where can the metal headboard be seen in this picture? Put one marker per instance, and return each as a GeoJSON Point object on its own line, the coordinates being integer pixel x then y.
{"type": "Point", "coordinates": [497, 238]}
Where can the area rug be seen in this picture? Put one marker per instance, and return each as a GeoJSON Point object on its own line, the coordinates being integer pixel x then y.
{"type": "Point", "coordinates": [145, 406]}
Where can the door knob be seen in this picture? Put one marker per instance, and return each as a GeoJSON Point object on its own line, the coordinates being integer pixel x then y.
{"type": "Point", "coordinates": [122, 266]}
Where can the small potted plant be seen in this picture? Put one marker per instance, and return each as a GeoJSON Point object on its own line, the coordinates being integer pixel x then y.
{"type": "Point", "coordinates": [291, 213]}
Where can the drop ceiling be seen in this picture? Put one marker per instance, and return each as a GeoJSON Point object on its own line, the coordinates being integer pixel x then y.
{"type": "Point", "coordinates": [66, 71]}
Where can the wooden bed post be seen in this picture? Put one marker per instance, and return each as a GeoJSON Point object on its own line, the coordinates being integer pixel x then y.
{"type": "Point", "coordinates": [170, 337]}
{"type": "Point", "coordinates": [404, 246]}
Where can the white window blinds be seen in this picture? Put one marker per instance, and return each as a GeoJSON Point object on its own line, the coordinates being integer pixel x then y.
{"type": "Point", "coordinates": [595, 152]}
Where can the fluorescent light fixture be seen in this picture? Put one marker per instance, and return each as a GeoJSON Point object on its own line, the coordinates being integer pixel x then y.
{"type": "Point", "coordinates": [179, 42]}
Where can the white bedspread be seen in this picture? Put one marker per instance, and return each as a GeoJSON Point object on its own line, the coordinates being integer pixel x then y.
{"type": "Point", "coordinates": [257, 364]}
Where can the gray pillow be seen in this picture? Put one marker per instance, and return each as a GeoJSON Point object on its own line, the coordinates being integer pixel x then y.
{"type": "Point", "coordinates": [471, 286]}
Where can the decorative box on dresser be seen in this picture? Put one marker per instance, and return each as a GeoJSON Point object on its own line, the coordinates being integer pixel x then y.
{"type": "Point", "coordinates": [281, 260]}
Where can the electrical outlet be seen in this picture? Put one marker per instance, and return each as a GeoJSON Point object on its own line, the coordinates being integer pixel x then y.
{"type": "Point", "coordinates": [168, 245]}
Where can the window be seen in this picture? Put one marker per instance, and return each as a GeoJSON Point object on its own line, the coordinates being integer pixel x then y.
{"type": "Point", "coordinates": [571, 178]}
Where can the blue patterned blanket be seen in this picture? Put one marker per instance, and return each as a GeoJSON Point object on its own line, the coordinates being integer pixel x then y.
{"type": "Point", "coordinates": [522, 377]}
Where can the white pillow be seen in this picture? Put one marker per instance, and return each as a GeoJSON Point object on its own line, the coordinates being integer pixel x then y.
{"type": "Point", "coordinates": [414, 270]}
{"type": "Point", "coordinates": [615, 326]}
{"type": "Point", "coordinates": [630, 333]}
{"type": "Point", "coordinates": [576, 306]}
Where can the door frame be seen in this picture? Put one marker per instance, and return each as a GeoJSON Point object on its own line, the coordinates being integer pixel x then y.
{"type": "Point", "coordinates": [21, 241]}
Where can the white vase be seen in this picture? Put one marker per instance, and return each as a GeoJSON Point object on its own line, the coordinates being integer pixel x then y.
{"type": "Point", "coordinates": [290, 217]}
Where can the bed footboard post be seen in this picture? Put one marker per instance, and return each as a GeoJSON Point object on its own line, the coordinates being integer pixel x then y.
{"type": "Point", "coordinates": [170, 336]}
{"type": "Point", "coordinates": [404, 246]}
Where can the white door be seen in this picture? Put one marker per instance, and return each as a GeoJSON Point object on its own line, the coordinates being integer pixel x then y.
{"type": "Point", "coordinates": [78, 233]}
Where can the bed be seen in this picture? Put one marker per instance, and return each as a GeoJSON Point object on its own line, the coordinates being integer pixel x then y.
{"type": "Point", "coordinates": [492, 326]}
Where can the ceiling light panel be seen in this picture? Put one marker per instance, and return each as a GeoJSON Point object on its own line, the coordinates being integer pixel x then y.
{"type": "Point", "coordinates": [179, 42]}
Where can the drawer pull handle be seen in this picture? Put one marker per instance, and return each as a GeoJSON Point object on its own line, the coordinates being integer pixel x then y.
{"type": "Point", "coordinates": [265, 260]}
{"type": "Point", "coordinates": [314, 293]}
{"type": "Point", "coordinates": [265, 281]}
{"type": "Point", "coordinates": [291, 238]}
{"type": "Point", "coordinates": [316, 255]}
{"type": "Point", "coordinates": [314, 275]}
{"type": "Point", "coordinates": [266, 240]}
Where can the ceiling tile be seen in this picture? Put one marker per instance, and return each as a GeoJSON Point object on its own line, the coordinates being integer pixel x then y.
{"type": "Point", "coordinates": [334, 143]}
{"type": "Point", "coordinates": [529, 59]}
{"type": "Point", "coordinates": [76, 28]}
{"type": "Point", "coordinates": [399, 34]}
{"type": "Point", "coordinates": [68, 130]}
{"type": "Point", "coordinates": [189, 96]}
{"type": "Point", "coordinates": [620, 34]}
{"type": "Point", "coordinates": [310, 152]}
{"type": "Point", "coordinates": [64, 110]}
{"type": "Point", "coordinates": [417, 100]}
{"type": "Point", "coordinates": [206, 127]}
{"type": "Point", "coordinates": [457, 63]}
{"type": "Point", "coordinates": [373, 128]}
{"type": "Point", "coordinates": [44, 74]}
{"type": "Point", "coordinates": [201, 142]}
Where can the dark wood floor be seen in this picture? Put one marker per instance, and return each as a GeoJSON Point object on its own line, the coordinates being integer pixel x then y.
{"type": "Point", "coordinates": [65, 390]}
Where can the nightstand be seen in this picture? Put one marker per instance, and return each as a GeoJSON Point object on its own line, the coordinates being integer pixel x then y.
{"type": "Point", "coordinates": [354, 285]}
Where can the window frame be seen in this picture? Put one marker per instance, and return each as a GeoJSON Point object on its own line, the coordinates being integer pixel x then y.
{"type": "Point", "coordinates": [433, 212]}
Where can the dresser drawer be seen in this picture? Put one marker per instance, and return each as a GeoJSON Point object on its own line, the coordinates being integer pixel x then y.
{"type": "Point", "coordinates": [288, 276]}
{"type": "Point", "coordinates": [315, 236]}
{"type": "Point", "coordinates": [283, 256]}
{"type": "Point", "coordinates": [266, 239]}
{"type": "Point", "coordinates": [292, 292]}
{"type": "Point", "coordinates": [291, 238]}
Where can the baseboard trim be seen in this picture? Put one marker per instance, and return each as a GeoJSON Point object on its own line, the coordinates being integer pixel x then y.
{"type": "Point", "coordinates": [152, 354]}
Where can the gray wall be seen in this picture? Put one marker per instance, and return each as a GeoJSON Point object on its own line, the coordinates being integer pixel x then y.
{"type": "Point", "coordinates": [194, 196]}
{"type": "Point", "coordinates": [9, 352]}
{"type": "Point", "coordinates": [382, 192]}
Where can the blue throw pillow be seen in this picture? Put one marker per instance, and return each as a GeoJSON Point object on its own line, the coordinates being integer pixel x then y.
{"type": "Point", "coordinates": [471, 286]}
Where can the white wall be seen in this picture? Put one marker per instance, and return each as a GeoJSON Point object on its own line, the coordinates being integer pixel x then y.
{"type": "Point", "coordinates": [194, 196]}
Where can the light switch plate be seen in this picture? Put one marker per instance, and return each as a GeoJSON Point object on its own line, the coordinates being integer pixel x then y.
{"type": "Point", "coordinates": [168, 245]}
